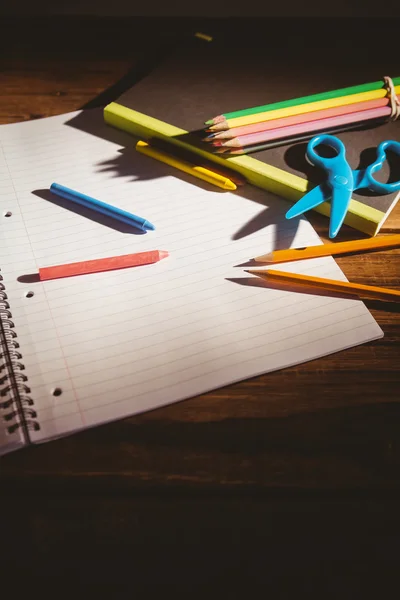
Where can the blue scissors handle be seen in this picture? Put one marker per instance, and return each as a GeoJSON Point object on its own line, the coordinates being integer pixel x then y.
{"type": "Point", "coordinates": [365, 178]}
{"type": "Point", "coordinates": [328, 140]}
{"type": "Point", "coordinates": [340, 178]}
{"type": "Point", "coordinates": [340, 174]}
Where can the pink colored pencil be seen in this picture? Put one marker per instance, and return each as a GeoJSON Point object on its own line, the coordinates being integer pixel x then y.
{"type": "Point", "coordinates": [304, 128]}
{"type": "Point", "coordinates": [102, 264]}
{"type": "Point", "coordinates": [297, 119]}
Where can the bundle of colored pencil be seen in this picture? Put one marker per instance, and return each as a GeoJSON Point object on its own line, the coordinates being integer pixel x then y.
{"type": "Point", "coordinates": [299, 119]}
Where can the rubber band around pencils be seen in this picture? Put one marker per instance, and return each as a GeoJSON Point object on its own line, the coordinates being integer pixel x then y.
{"type": "Point", "coordinates": [394, 101]}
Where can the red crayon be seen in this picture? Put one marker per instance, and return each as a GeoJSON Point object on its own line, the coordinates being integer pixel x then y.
{"type": "Point", "coordinates": [102, 264]}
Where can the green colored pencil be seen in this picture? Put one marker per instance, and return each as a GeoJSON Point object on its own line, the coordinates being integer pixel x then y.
{"type": "Point", "coordinates": [355, 89]}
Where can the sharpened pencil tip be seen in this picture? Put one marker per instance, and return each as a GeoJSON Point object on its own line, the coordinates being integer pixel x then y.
{"type": "Point", "coordinates": [255, 272]}
{"type": "Point", "coordinates": [210, 122]}
{"type": "Point", "coordinates": [265, 258]}
{"type": "Point", "coordinates": [163, 254]}
{"type": "Point", "coordinates": [148, 225]}
{"type": "Point", "coordinates": [218, 127]}
{"type": "Point", "coordinates": [219, 119]}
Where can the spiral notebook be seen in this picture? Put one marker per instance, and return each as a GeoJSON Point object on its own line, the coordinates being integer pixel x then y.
{"type": "Point", "coordinates": [81, 351]}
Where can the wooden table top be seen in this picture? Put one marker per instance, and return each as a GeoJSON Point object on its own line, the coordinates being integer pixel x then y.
{"type": "Point", "coordinates": [309, 442]}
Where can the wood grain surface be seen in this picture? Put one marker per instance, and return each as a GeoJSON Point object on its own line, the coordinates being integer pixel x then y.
{"type": "Point", "coordinates": [297, 471]}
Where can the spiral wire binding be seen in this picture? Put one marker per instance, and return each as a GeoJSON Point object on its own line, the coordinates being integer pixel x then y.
{"type": "Point", "coordinates": [14, 390]}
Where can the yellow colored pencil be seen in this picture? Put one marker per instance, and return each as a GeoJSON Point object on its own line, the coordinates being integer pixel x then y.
{"type": "Point", "coordinates": [196, 171]}
{"type": "Point", "coordinates": [301, 109]}
{"type": "Point", "coordinates": [333, 285]}
{"type": "Point", "coordinates": [332, 249]}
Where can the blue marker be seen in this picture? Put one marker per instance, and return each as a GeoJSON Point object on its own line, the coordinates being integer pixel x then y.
{"type": "Point", "coordinates": [101, 207]}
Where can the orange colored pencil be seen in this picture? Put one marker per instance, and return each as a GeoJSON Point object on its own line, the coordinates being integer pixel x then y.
{"type": "Point", "coordinates": [333, 285]}
{"type": "Point", "coordinates": [331, 249]}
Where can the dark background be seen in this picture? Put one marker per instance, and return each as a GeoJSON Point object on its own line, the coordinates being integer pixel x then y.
{"type": "Point", "coordinates": [287, 485]}
{"type": "Point", "coordinates": [209, 8]}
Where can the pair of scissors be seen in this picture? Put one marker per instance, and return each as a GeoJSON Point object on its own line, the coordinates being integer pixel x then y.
{"type": "Point", "coordinates": [342, 180]}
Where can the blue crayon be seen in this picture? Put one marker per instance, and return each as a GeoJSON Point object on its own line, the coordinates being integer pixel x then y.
{"type": "Point", "coordinates": [101, 207]}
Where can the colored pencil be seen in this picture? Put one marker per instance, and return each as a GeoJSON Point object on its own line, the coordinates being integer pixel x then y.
{"type": "Point", "coordinates": [333, 285]}
{"type": "Point", "coordinates": [303, 128]}
{"type": "Point", "coordinates": [102, 264]}
{"type": "Point", "coordinates": [297, 119]}
{"type": "Point", "coordinates": [291, 140]}
{"type": "Point", "coordinates": [195, 170]}
{"type": "Point", "coordinates": [334, 249]}
{"type": "Point", "coordinates": [301, 109]}
{"type": "Point", "coordinates": [355, 89]}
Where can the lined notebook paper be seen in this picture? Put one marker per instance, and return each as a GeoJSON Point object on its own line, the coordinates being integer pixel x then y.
{"type": "Point", "coordinates": [103, 346]}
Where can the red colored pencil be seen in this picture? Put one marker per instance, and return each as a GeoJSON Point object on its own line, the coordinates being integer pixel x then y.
{"type": "Point", "coordinates": [102, 264]}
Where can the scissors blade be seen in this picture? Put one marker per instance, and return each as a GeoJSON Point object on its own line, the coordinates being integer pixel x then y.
{"type": "Point", "coordinates": [340, 202]}
{"type": "Point", "coordinates": [316, 196]}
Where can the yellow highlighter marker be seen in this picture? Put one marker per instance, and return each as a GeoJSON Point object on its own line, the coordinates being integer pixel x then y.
{"type": "Point", "coordinates": [196, 171]}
